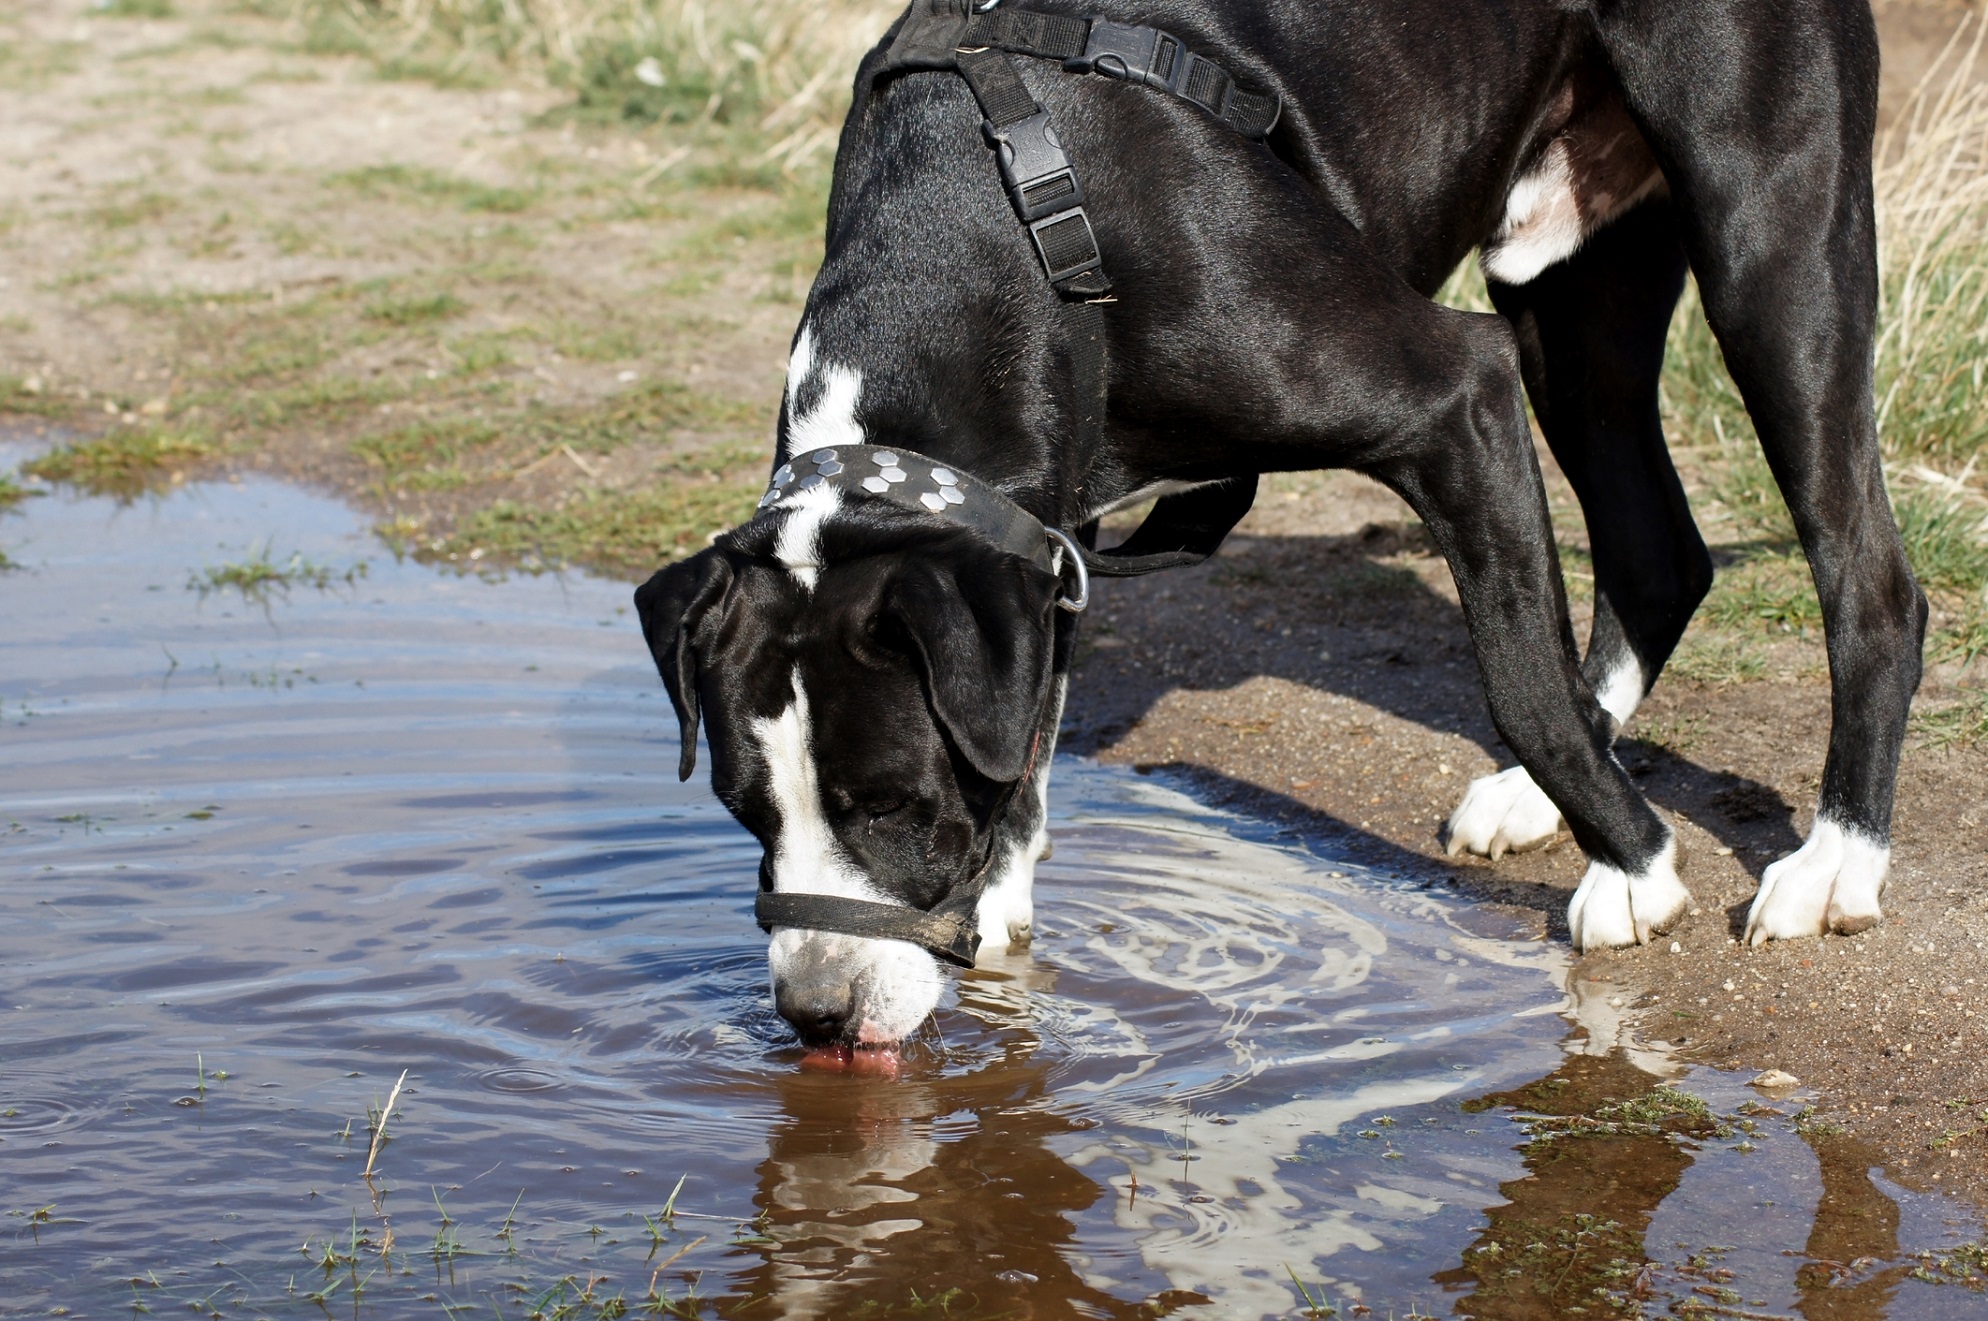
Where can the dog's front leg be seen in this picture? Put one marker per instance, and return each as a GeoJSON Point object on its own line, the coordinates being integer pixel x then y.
{"type": "Point", "coordinates": [1474, 480]}
{"type": "Point", "coordinates": [1006, 916]}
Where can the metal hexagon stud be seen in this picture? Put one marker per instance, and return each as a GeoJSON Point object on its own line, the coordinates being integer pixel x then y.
{"type": "Point", "coordinates": [823, 456]}
{"type": "Point", "coordinates": [876, 485]}
{"type": "Point", "coordinates": [952, 495]}
{"type": "Point", "coordinates": [932, 502]}
{"type": "Point", "coordinates": [894, 475]}
{"type": "Point", "coordinates": [784, 475]}
{"type": "Point", "coordinates": [884, 459]}
{"type": "Point", "coordinates": [945, 477]}
{"type": "Point", "coordinates": [812, 480]}
{"type": "Point", "coordinates": [828, 468]}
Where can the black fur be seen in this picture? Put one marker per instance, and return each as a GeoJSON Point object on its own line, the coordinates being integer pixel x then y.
{"type": "Point", "coordinates": [1272, 313]}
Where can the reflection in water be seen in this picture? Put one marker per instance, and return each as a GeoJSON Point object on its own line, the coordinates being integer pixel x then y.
{"type": "Point", "coordinates": [1571, 1233]}
{"type": "Point", "coordinates": [878, 1192]}
{"type": "Point", "coordinates": [431, 824]}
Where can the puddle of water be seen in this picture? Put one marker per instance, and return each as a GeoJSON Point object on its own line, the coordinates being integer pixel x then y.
{"type": "Point", "coordinates": [260, 861]}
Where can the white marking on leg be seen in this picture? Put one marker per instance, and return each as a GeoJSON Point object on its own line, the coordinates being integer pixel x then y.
{"type": "Point", "coordinates": [1831, 883]}
{"type": "Point", "coordinates": [1006, 915]}
{"type": "Point", "coordinates": [1502, 813]}
{"type": "Point", "coordinates": [895, 984]}
{"type": "Point", "coordinates": [798, 545]}
{"type": "Point", "coordinates": [1622, 691]}
{"type": "Point", "coordinates": [1614, 908]}
{"type": "Point", "coordinates": [1508, 812]}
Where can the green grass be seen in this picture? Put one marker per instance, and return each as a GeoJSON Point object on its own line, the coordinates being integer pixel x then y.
{"type": "Point", "coordinates": [26, 397]}
{"type": "Point", "coordinates": [766, 81]}
{"type": "Point", "coordinates": [260, 579]}
{"type": "Point", "coordinates": [1958, 724]}
{"type": "Point", "coordinates": [622, 532]}
{"type": "Point", "coordinates": [414, 182]}
{"type": "Point", "coordinates": [12, 492]}
{"type": "Point", "coordinates": [133, 8]}
{"type": "Point", "coordinates": [124, 463]}
{"type": "Point", "coordinates": [416, 311]}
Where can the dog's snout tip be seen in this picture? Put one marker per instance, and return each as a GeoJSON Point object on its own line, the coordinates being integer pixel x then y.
{"type": "Point", "coordinates": [820, 1014]}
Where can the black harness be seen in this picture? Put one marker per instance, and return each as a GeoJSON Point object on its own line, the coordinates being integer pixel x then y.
{"type": "Point", "coordinates": [977, 41]}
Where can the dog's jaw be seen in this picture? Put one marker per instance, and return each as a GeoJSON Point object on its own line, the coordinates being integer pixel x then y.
{"type": "Point", "coordinates": [892, 985]}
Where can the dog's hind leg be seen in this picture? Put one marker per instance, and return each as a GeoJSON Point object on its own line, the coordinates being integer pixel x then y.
{"type": "Point", "coordinates": [1591, 343]}
{"type": "Point", "coordinates": [1762, 117]}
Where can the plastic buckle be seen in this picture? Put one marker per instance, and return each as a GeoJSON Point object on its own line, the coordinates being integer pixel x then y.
{"type": "Point", "coordinates": [1068, 248]}
{"type": "Point", "coordinates": [1136, 54]}
{"type": "Point", "coordinates": [1038, 175]}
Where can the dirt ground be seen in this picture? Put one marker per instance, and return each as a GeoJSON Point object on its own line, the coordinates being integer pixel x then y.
{"type": "Point", "coordinates": [386, 289]}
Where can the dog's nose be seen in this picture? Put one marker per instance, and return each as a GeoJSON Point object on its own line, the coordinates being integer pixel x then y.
{"type": "Point", "coordinates": [819, 1011]}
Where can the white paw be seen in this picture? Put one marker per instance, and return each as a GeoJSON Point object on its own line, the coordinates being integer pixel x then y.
{"type": "Point", "coordinates": [1007, 906]}
{"type": "Point", "coordinates": [1614, 908]}
{"type": "Point", "coordinates": [1830, 883]}
{"type": "Point", "coordinates": [1503, 813]}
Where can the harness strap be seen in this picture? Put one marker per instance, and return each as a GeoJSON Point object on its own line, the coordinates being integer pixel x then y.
{"type": "Point", "coordinates": [934, 29]}
{"type": "Point", "coordinates": [1184, 529]}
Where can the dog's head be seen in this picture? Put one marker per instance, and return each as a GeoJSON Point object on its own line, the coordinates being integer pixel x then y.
{"type": "Point", "coordinates": [872, 685]}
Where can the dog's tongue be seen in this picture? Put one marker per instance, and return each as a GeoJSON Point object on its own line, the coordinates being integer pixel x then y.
{"type": "Point", "coordinates": [880, 1062]}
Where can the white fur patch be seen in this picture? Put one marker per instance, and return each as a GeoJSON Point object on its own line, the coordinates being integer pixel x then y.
{"type": "Point", "coordinates": [798, 545]}
{"type": "Point", "coordinates": [1553, 208]}
{"type": "Point", "coordinates": [1614, 908]}
{"type": "Point", "coordinates": [1502, 813]}
{"type": "Point", "coordinates": [832, 421]}
{"type": "Point", "coordinates": [1622, 692]}
{"type": "Point", "coordinates": [1831, 883]}
{"type": "Point", "coordinates": [895, 984]}
{"type": "Point", "coordinates": [1006, 915]}
{"type": "Point", "coordinates": [1542, 223]}
{"type": "Point", "coordinates": [799, 363]}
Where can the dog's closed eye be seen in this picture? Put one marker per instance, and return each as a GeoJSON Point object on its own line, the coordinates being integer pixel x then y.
{"type": "Point", "coordinates": [881, 813]}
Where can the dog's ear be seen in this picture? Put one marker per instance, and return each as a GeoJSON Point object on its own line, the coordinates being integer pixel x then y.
{"type": "Point", "coordinates": [672, 605]}
{"type": "Point", "coordinates": [983, 630]}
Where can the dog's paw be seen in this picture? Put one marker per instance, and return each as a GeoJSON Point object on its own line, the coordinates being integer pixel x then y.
{"type": "Point", "coordinates": [1614, 908]}
{"type": "Point", "coordinates": [1830, 883]}
{"type": "Point", "coordinates": [1006, 916]}
{"type": "Point", "coordinates": [1502, 813]}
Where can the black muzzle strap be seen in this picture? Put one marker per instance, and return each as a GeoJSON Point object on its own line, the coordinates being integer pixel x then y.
{"type": "Point", "coordinates": [946, 932]}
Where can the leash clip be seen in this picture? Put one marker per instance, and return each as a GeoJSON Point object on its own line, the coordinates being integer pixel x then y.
{"type": "Point", "coordinates": [1072, 557]}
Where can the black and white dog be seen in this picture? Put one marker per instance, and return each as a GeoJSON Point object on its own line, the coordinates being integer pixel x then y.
{"type": "Point", "coordinates": [882, 686]}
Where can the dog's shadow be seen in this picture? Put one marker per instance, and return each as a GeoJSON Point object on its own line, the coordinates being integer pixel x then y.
{"type": "Point", "coordinates": [1364, 616]}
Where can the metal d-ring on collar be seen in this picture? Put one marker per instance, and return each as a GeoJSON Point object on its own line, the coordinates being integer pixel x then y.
{"type": "Point", "coordinates": [1073, 555]}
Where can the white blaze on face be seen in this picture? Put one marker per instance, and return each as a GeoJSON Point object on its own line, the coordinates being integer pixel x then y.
{"type": "Point", "coordinates": [895, 984]}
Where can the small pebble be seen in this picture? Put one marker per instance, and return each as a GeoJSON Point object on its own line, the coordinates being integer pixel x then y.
{"type": "Point", "coordinates": [1676, 948]}
{"type": "Point", "coordinates": [1776, 1078]}
{"type": "Point", "coordinates": [1016, 1277]}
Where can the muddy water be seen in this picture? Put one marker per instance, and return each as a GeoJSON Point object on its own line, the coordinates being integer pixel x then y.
{"type": "Point", "coordinates": [262, 856]}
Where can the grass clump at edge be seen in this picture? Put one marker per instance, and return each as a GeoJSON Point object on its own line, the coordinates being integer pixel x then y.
{"type": "Point", "coordinates": [124, 463]}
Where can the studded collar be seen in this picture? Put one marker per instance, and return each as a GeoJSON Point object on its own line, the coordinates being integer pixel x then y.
{"type": "Point", "coordinates": [919, 484]}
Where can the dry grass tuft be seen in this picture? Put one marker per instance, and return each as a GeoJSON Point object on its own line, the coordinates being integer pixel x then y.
{"type": "Point", "coordinates": [776, 70]}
